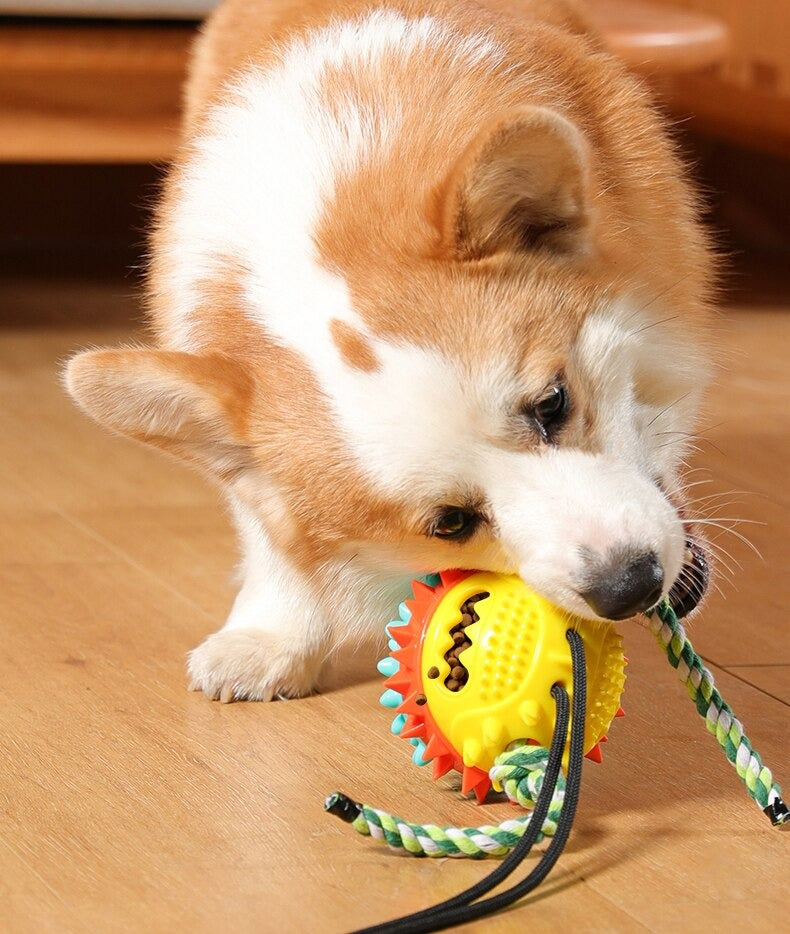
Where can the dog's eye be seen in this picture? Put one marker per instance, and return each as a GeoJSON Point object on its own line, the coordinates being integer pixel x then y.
{"type": "Point", "coordinates": [455, 524]}
{"type": "Point", "coordinates": [551, 410]}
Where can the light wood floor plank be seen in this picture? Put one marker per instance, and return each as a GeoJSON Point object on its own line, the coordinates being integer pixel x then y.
{"type": "Point", "coordinates": [773, 679]}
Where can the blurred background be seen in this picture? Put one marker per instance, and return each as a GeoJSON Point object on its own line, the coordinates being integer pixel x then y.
{"type": "Point", "coordinates": [89, 113]}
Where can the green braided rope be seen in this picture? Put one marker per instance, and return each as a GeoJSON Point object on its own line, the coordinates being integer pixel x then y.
{"type": "Point", "coordinates": [519, 769]}
{"type": "Point", "coordinates": [719, 718]}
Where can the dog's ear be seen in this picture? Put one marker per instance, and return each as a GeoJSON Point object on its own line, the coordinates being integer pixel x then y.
{"type": "Point", "coordinates": [522, 184]}
{"type": "Point", "coordinates": [194, 407]}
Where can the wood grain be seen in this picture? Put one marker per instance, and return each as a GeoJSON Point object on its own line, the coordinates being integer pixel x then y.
{"type": "Point", "coordinates": [771, 678]}
{"type": "Point", "coordinates": [130, 804]}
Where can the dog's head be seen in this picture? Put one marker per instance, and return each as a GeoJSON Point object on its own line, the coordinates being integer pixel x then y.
{"type": "Point", "coordinates": [490, 401]}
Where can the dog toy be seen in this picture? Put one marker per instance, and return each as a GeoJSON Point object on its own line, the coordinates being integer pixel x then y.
{"type": "Point", "coordinates": [719, 718]}
{"type": "Point", "coordinates": [481, 673]}
{"type": "Point", "coordinates": [473, 658]}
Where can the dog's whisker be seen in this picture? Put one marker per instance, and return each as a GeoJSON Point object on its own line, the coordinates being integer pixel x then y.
{"type": "Point", "coordinates": [734, 532]}
{"type": "Point", "coordinates": [667, 408]}
{"type": "Point", "coordinates": [683, 487]}
{"type": "Point", "coordinates": [719, 591]}
{"type": "Point", "coordinates": [708, 510]}
{"type": "Point", "coordinates": [695, 445]}
{"type": "Point", "coordinates": [723, 559]}
{"type": "Point", "coordinates": [736, 521]}
{"type": "Point", "coordinates": [656, 298]}
{"type": "Point", "coordinates": [718, 550]}
{"type": "Point", "coordinates": [721, 493]}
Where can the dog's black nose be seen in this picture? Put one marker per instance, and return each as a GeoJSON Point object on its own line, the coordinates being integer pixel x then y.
{"type": "Point", "coordinates": [622, 588]}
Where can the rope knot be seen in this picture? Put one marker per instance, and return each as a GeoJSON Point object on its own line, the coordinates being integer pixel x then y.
{"type": "Point", "coordinates": [519, 772]}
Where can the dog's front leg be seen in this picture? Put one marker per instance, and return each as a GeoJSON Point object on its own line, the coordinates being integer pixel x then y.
{"type": "Point", "coordinates": [276, 637]}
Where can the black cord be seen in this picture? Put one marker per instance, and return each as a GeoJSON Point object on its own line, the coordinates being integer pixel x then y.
{"type": "Point", "coordinates": [460, 909]}
{"type": "Point", "coordinates": [520, 850]}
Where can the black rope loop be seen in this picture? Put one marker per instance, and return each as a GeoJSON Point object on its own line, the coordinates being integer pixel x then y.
{"type": "Point", "coordinates": [465, 907]}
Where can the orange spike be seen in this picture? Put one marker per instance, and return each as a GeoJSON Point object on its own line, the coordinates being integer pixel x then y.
{"type": "Point", "coordinates": [421, 590]}
{"type": "Point", "coordinates": [441, 766]}
{"type": "Point", "coordinates": [398, 682]}
{"type": "Point", "coordinates": [481, 790]}
{"type": "Point", "coordinates": [620, 712]}
{"type": "Point", "coordinates": [413, 728]}
{"type": "Point", "coordinates": [604, 739]}
{"type": "Point", "coordinates": [410, 704]}
{"type": "Point", "coordinates": [451, 577]}
{"type": "Point", "coordinates": [411, 721]}
{"type": "Point", "coordinates": [595, 754]}
{"type": "Point", "coordinates": [434, 747]}
{"type": "Point", "coordinates": [404, 657]}
{"type": "Point", "coordinates": [403, 636]}
{"type": "Point", "coordinates": [467, 779]}
{"type": "Point", "coordinates": [472, 777]}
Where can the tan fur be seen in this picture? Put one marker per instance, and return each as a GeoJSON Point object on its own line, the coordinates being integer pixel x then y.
{"type": "Point", "coordinates": [523, 175]}
{"type": "Point", "coordinates": [637, 181]}
{"type": "Point", "coordinates": [645, 231]}
{"type": "Point", "coordinates": [355, 351]}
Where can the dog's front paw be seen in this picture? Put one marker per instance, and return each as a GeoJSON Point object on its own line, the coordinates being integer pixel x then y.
{"type": "Point", "coordinates": [249, 664]}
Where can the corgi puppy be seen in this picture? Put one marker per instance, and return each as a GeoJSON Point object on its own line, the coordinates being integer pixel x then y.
{"type": "Point", "coordinates": [428, 290]}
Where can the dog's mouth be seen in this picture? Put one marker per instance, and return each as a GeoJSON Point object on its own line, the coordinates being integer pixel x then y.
{"type": "Point", "coordinates": [692, 583]}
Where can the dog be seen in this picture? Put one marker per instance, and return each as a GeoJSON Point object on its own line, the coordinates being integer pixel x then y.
{"type": "Point", "coordinates": [429, 290]}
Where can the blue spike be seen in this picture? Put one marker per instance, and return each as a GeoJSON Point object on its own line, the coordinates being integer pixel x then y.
{"type": "Point", "coordinates": [405, 613]}
{"type": "Point", "coordinates": [398, 723]}
{"type": "Point", "coordinates": [432, 580]}
{"type": "Point", "coordinates": [393, 645]}
{"type": "Point", "coordinates": [413, 741]}
{"type": "Point", "coordinates": [417, 758]}
{"type": "Point", "coordinates": [391, 698]}
{"type": "Point", "coordinates": [388, 666]}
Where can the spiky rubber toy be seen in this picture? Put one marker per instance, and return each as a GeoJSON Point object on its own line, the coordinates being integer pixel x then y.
{"type": "Point", "coordinates": [460, 709]}
{"type": "Point", "coordinates": [475, 666]}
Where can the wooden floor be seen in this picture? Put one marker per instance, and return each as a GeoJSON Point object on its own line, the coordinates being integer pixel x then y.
{"type": "Point", "coordinates": [129, 804]}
